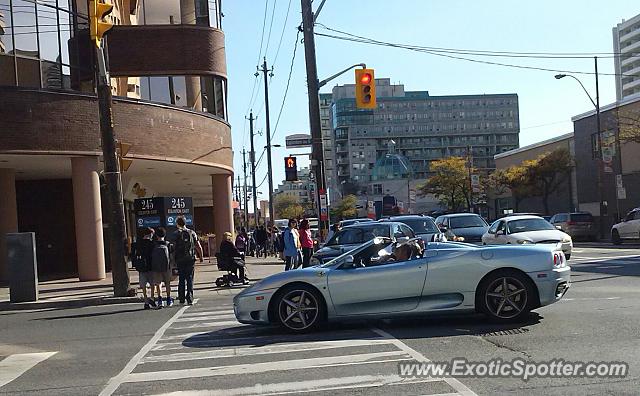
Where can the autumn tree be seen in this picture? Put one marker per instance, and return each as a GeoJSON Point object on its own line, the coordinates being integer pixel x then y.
{"type": "Point", "coordinates": [549, 171]}
{"type": "Point", "coordinates": [515, 179]}
{"type": "Point", "coordinates": [449, 182]}
{"type": "Point", "coordinates": [628, 120]}
{"type": "Point", "coordinates": [287, 207]}
{"type": "Point", "coordinates": [346, 208]}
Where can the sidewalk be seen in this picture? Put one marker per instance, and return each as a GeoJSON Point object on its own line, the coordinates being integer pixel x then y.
{"type": "Point", "coordinates": [72, 292]}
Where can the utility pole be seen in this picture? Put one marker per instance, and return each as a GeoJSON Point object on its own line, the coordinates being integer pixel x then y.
{"type": "Point", "coordinates": [264, 71]}
{"type": "Point", "coordinates": [600, 162]}
{"type": "Point", "coordinates": [246, 200]}
{"type": "Point", "coordinates": [317, 154]}
{"type": "Point", "coordinates": [252, 158]}
{"type": "Point", "coordinates": [469, 165]}
{"type": "Point", "coordinates": [118, 237]}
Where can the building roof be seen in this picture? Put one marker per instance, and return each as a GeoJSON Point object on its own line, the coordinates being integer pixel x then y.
{"type": "Point", "coordinates": [535, 145]}
{"type": "Point", "coordinates": [610, 106]}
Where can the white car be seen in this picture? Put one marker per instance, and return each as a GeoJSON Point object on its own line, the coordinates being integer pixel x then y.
{"type": "Point", "coordinates": [526, 230]}
{"type": "Point", "coordinates": [629, 228]}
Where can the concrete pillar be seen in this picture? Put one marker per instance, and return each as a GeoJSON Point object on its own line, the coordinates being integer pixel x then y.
{"type": "Point", "coordinates": [88, 217]}
{"type": "Point", "coordinates": [222, 208]}
{"type": "Point", "coordinates": [8, 216]}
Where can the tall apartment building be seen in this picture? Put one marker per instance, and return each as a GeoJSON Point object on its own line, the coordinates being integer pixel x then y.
{"type": "Point", "coordinates": [169, 79]}
{"type": "Point", "coordinates": [303, 189]}
{"type": "Point", "coordinates": [328, 145]}
{"type": "Point", "coordinates": [388, 150]}
{"type": "Point", "coordinates": [626, 46]}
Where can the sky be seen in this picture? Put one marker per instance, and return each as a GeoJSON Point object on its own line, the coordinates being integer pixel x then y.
{"type": "Point", "coordinates": [543, 26]}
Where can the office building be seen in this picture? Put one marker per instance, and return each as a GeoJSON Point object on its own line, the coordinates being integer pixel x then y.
{"type": "Point", "coordinates": [626, 46]}
{"type": "Point", "coordinates": [168, 76]}
{"type": "Point", "coordinates": [388, 150]}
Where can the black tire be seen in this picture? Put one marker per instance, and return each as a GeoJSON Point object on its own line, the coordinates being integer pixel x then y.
{"type": "Point", "coordinates": [296, 316]}
{"type": "Point", "coordinates": [615, 237]}
{"type": "Point", "coordinates": [511, 306]}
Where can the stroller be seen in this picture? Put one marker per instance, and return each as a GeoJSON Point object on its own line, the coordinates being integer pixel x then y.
{"type": "Point", "coordinates": [231, 266]}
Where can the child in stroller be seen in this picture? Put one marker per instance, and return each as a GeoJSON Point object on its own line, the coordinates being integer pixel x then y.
{"type": "Point", "coordinates": [231, 260]}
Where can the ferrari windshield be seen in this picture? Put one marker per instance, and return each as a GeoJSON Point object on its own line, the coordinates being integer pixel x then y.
{"type": "Point", "coordinates": [525, 225]}
{"type": "Point", "coordinates": [421, 226]}
{"type": "Point", "coordinates": [369, 248]}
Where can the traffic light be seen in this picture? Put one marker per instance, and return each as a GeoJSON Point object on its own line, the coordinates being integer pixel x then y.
{"type": "Point", "coordinates": [122, 149]}
{"type": "Point", "coordinates": [290, 168]}
{"type": "Point", "coordinates": [365, 89]}
{"type": "Point", "coordinates": [98, 10]}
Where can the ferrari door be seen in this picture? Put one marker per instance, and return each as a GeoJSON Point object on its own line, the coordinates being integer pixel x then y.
{"type": "Point", "coordinates": [389, 287]}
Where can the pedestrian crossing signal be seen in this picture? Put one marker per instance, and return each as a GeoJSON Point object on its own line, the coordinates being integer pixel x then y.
{"type": "Point", "coordinates": [290, 168]}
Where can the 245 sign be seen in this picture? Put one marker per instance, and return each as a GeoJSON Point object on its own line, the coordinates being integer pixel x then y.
{"type": "Point", "coordinates": [290, 168]}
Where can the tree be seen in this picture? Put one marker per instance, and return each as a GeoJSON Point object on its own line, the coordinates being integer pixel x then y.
{"type": "Point", "coordinates": [346, 208]}
{"type": "Point", "coordinates": [549, 172]}
{"type": "Point", "coordinates": [628, 120]}
{"type": "Point", "coordinates": [516, 179]}
{"type": "Point", "coordinates": [450, 182]}
{"type": "Point", "coordinates": [287, 207]}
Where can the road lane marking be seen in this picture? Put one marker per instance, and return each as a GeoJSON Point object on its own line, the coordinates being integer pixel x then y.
{"type": "Point", "coordinates": [116, 381]}
{"type": "Point", "coordinates": [284, 365]}
{"type": "Point", "coordinates": [590, 298]}
{"type": "Point", "coordinates": [604, 258]}
{"type": "Point", "coordinates": [453, 382]}
{"type": "Point", "coordinates": [265, 350]}
{"type": "Point", "coordinates": [323, 385]}
{"type": "Point", "coordinates": [208, 324]}
{"type": "Point", "coordinates": [208, 317]}
{"type": "Point", "coordinates": [13, 366]}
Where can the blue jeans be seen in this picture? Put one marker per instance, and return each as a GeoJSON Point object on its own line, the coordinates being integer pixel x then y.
{"type": "Point", "coordinates": [185, 279]}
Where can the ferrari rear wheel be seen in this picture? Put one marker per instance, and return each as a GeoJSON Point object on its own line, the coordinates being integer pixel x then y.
{"type": "Point", "coordinates": [506, 296]}
{"type": "Point", "coordinates": [300, 309]}
{"type": "Point", "coordinates": [615, 237]}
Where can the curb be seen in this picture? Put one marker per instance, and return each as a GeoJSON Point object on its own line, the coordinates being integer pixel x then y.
{"type": "Point", "coordinates": [85, 302]}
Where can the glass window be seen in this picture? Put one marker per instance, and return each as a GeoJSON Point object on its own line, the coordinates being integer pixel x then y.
{"type": "Point", "coordinates": [24, 28]}
{"type": "Point", "coordinates": [7, 70]}
{"type": "Point", "coordinates": [48, 32]}
{"type": "Point", "coordinates": [186, 12]}
{"type": "Point", "coordinates": [163, 12]}
{"type": "Point", "coordinates": [66, 32]}
{"type": "Point", "coordinates": [467, 221]}
{"type": "Point", "coordinates": [526, 225]}
{"type": "Point", "coordinates": [28, 72]}
{"type": "Point", "coordinates": [51, 74]}
{"type": "Point", "coordinates": [6, 39]}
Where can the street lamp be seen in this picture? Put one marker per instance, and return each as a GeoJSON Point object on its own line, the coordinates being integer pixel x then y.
{"type": "Point", "coordinates": [596, 103]}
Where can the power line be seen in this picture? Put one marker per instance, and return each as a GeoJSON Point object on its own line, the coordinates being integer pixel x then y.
{"type": "Point", "coordinates": [273, 11]}
{"type": "Point", "coordinates": [284, 26]}
{"type": "Point", "coordinates": [365, 40]}
{"type": "Point", "coordinates": [286, 90]}
{"type": "Point", "coordinates": [264, 22]}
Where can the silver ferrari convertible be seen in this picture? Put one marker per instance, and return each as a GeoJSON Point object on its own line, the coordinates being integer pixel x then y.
{"type": "Point", "coordinates": [383, 278]}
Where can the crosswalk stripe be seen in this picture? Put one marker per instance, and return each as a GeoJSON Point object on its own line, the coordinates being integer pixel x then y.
{"type": "Point", "coordinates": [13, 366]}
{"type": "Point", "coordinates": [322, 385]}
{"type": "Point", "coordinates": [208, 317]}
{"type": "Point", "coordinates": [271, 349]}
{"type": "Point", "coordinates": [207, 313]}
{"type": "Point", "coordinates": [294, 364]}
{"type": "Point", "coordinates": [208, 324]}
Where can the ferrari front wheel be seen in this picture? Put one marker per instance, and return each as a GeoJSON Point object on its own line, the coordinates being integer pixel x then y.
{"type": "Point", "coordinates": [300, 308]}
{"type": "Point", "coordinates": [506, 296]}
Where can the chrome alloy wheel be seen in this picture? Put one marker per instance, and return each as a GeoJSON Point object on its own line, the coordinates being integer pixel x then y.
{"type": "Point", "coordinates": [298, 309]}
{"type": "Point", "coordinates": [506, 297]}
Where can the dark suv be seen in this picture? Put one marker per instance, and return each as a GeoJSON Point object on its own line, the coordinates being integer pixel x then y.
{"type": "Point", "coordinates": [470, 226]}
{"type": "Point", "coordinates": [423, 226]}
{"type": "Point", "coordinates": [577, 224]}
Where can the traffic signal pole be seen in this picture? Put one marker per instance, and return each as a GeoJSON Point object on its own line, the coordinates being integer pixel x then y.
{"type": "Point", "coordinates": [115, 204]}
{"type": "Point", "coordinates": [252, 158]}
{"type": "Point", "coordinates": [317, 154]}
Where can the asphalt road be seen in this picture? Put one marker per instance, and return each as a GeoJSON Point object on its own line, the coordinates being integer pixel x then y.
{"type": "Point", "coordinates": [201, 350]}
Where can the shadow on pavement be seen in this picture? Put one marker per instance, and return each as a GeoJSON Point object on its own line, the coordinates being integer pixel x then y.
{"type": "Point", "coordinates": [92, 314]}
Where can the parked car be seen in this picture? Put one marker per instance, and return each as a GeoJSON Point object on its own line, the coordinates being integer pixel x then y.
{"type": "Point", "coordinates": [629, 228]}
{"type": "Point", "coordinates": [503, 282]}
{"type": "Point", "coordinates": [355, 235]}
{"type": "Point", "coordinates": [470, 226]}
{"type": "Point", "coordinates": [526, 230]}
{"type": "Point", "coordinates": [577, 224]}
{"type": "Point", "coordinates": [423, 226]}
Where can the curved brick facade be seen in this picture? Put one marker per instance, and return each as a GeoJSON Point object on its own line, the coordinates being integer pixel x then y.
{"type": "Point", "coordinates": [160, 50]}
{"type": "Point", "coordinates": [44, 121]}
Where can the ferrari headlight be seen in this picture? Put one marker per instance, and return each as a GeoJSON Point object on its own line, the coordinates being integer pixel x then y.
{"type": "Point", "coordinates": [524, 242]}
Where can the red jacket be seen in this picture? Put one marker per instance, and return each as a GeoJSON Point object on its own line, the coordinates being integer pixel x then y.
{"type": "Point", "coordinates": [305, 238]}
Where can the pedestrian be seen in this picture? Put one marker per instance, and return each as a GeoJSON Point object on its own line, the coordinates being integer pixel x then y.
{"type": "Point", "coordinates": [261, 240]}
{"type": "Point", "coordinates": [187, 247]}
{"type": "Point", "coordinates": [242, 241]}
{"type": "Point", "coordinates": [231, 253]}
{"type": "Point", "coordinates": [161, 266]}
{"type": "Point", "coordinates": [141, 260]}
{"type": "Point", "coordinates": [334, 228]}
{"type": "Point", "coordinates": [306, 242]}
{"type": "Point", "coordinates": [291, 243]}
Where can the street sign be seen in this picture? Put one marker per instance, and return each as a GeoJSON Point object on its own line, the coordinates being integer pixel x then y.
{"type": "Point", "coordinates": [412, 196]}
{"type": "Point", "coordinates": [619, 181]}
{"type": "Point", "coordinates": [622, 193]}
{"type": "Point", "coordinates": [324, 212]}
{"type": "Point", "coordinates": [475, 180]}
{"type": "Point", "coordinates": [299, 140]}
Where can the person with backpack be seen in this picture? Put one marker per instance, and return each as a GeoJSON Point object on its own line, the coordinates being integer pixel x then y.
{"type": "Point", "coordinates": [141, 260]}
{"type": "Point", "coordinates": [187, 246]}
{"type": "Point", "coordinates": [160, 264]}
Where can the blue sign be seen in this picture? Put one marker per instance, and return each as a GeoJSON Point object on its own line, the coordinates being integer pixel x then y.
{"type": "Point", "coordinates": [171, 220]}
{"type": "Point", "coordinates": [149, 221]}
